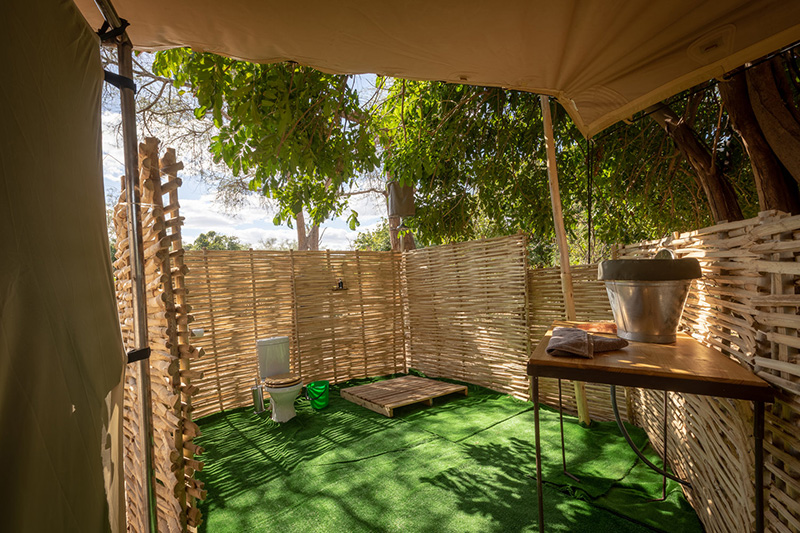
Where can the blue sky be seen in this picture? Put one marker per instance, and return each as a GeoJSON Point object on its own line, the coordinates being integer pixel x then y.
{"type": "Point", "coordinates": [203, 214]}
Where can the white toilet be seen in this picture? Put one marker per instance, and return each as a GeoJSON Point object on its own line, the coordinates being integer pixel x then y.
{"type": "Point", "coordinates": [273, 368]}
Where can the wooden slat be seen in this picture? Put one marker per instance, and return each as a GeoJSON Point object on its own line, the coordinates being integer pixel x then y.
{"type": "Point", "coordinates": [168, 331]}
{"type": "Point", "coordinates": [745, 306]}
{"type": "Point", "coordinates": [385, 396]}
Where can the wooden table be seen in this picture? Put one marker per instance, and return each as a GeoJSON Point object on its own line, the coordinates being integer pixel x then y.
{"type": "Point", "coordinates": [684, 366]}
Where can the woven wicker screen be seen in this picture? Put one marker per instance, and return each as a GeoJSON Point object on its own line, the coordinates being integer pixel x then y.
{"type": "Point", "coordinates": [335, 334]}
{"type": "Point", "coordinates": [546, 304]}
{"type": "Point", "coordinates": [170, 378]}
{"type": "Point", "coordinates": [746, 305]}
{"type": "Point", "coordinates": [467, 312]}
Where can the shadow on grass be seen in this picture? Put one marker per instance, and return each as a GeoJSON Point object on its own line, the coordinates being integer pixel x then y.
{"type": "Point", "coordinates": [465, 464]}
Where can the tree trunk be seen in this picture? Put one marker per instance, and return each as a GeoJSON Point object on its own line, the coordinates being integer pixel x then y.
{"type": "Point", "coordinates": [400, 243]}
{"type": "Point", "coordinates": [300, 222]}
{"type": "Point", "coordinates": [776, 116]}
{"type": "Point", "coordinates": [718, 189]}
{"type": "Point", "coordinates": [775, 186]}
{"type": "Point", "coordinates": [312, 241]}
{"type": "Point", "coordinates": [306, 241]}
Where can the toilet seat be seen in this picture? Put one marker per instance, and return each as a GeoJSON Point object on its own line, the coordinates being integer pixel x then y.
{"type": "Point", "coordinates": [281, 381]}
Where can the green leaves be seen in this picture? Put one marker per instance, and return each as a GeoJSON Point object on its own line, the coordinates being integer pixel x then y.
{"type": "Point", "coordinates": [352, 220]}
{"type": "Point", "coordinates": [475, 155]}
{"type": "Point", "coordinates": [290, 127]}
{"type": "Point", "coordinates": [376, 240]}
{"type": "Point", "coordinates": [216, 241]}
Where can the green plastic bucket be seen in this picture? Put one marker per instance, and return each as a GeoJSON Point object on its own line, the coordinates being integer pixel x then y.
{"type": "Point", "coordinates": [317, 392]}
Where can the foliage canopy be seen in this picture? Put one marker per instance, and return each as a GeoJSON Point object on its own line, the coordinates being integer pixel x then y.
{"type": "Point", "coordinates": [297, 133]}
{"type": "Point", "coordinates": [216, 241]}
{"type": "Point", "coordinates": [475, 155]}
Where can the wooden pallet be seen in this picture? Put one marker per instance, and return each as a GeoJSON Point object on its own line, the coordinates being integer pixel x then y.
{"type": "Point", "coordinates": [384, 396]}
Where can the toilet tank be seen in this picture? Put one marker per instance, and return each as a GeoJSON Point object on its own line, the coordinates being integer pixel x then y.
{"type": "Point", "coordinates": [273, 356]}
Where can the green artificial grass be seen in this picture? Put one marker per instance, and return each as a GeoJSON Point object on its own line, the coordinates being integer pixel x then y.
{"type": "Point", "coordinates": [467, 464]}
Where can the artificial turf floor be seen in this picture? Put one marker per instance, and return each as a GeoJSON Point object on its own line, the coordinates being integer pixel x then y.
{"type": "Point", "coordinates": [467, 464]}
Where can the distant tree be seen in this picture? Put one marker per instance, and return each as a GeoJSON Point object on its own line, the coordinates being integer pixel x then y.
{"type": "Point", "coordinates": [216, 241]}
{"type": "Point", "coordinates": [272, 243]}
{"type": "Point", "coordinates": [376, 240]}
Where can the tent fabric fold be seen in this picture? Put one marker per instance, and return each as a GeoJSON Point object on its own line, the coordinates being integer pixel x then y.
{"type": "Point", "coordinates": [603, 60]}
{"type": "Point", "coordinates": [60, 346]}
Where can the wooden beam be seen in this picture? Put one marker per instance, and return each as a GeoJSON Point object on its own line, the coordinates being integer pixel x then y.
{"type": "Point", "coordinates": [561, 239]}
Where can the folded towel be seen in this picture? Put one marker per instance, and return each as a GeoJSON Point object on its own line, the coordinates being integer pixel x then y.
{"type": "Point", "coordinates": [570, 341]}
{"type": "Point", "coordinates": [573, 342]}
{"type": "Point", "coordinates": [607, 344]}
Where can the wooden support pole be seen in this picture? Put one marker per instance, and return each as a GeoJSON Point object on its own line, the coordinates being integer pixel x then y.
{"type": "Point", "coordinates": [561, 238]}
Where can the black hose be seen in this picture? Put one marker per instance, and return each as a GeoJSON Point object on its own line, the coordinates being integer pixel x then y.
{"type": "Point", "coordinates": [633, 446]}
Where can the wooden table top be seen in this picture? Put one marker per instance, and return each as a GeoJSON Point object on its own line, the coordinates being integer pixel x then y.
{"type": "Point", "coordinates": [685, 366]}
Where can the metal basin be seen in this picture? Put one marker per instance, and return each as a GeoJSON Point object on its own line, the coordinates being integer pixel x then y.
{"type": "Point", "coordinates": [647, 295]}
{"type": "Point", "coordinates": [647, 311]}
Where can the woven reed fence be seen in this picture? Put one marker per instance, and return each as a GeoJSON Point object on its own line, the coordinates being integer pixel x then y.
{"type": "Point", "coordinates": [746, 305]}
{"type": "Point", "coordinates": [241, 296]}
{"type": "Point", "coordinates": [168, 318]}
{"type": "Point", "coordinates": [546, 304]}
{"type": "Point", "coordinates": [467, 313]}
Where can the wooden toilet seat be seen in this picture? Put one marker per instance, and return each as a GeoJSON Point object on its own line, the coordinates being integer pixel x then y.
{"type": "Point", "coordinates": [280, 381]}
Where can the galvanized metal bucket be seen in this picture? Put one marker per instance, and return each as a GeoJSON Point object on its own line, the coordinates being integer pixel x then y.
{"type": "Point", "coordinates": [647, 295]}
{"type": "Point", "coordinates": [647, 311]}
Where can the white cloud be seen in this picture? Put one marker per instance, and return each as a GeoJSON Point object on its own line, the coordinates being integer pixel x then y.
{"type": "Point", "coordinates": [113, 155]}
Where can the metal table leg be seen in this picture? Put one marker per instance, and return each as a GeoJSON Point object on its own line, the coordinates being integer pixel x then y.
{"type": "Point", "coordinates": [664, 462]}
{"type": "Point", "coordinates": [539, 495]}
{"type": "Point", "coordinates": [561, 423]}
{"type": "Point", "coordinates": [758, 435]}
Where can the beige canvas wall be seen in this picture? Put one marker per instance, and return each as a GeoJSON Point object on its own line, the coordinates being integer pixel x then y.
{"type": "Point", "coordinates": [60, 348]}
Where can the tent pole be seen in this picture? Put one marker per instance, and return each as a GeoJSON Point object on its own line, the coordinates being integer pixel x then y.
{"type": "Point", "coordinates": [130, 147]}
{"type": "Point", "coordinates": [561, 238]}
{"type": "Point", "coordinates": [128, 108]}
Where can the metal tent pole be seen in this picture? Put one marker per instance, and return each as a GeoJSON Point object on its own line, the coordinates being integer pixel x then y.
{"type": "Point", "coordinates": [128, 111]}
{"type": "Point", "coordinates": [137, 275]}
{"type": "Point", "coordinates": [561, 238]}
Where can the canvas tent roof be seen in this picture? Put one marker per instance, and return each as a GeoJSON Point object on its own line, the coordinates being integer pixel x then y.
{"type": "Point", "coordinates": [604, 60]}
{"type": "Point", "coordinates": [61, 355]}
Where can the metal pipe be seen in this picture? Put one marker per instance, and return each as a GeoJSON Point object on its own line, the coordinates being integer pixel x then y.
{"type": "Point", "coordinates": [636, 450]}
{"type": "Point", "coordinates": [128, 110]}
{"type": "Point", "coordinates": [561, 425]}
{"type": "Point", "coordinates": [131, 156]}
{"type": "Point", "coordinates": [666, 440]}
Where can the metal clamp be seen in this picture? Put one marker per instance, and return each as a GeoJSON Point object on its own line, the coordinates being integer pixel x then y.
{"type": "Point", "coordinates": [138, 354]}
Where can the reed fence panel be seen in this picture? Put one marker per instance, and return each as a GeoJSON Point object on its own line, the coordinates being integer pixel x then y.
{"type": "Point", "coordinates": [467, 312]}
{"type": "Point", "coordinates": [546, 304]}
{"type": "Point", "coordinates": [335, 334]}
{"type": "Point", "coordinates": [746, 306]}
{"type": "Point", "coordinates": [176, 488]}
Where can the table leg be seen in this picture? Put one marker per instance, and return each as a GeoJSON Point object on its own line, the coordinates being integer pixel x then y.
{"type": "Point", "coordinates": [561, 424]}
{"type": "Point", "coordinates": [666, 440]}
{"type": "Point", "coordinates": [758, 435]}
{"type": "Point", "coordinates": [664, 462]}
{"type": "Point", "coordinates": [539, 495]}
